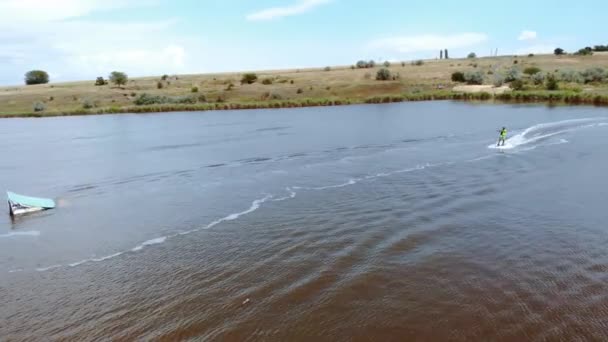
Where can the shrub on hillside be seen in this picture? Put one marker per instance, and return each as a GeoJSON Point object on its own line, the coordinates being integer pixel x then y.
{"type": "Point", "coordinates": [361, 64]}
{"type": "Point", "coordinates": [249, 78]}
{"type": "Point", "coordinates": [517, 85]}
{"type": "Point", "coordinates": [600, 48]}
{"type": "Point", "coordinates": [371, 64]}
{"type": "Point", "coordinates": [194, 90]}
{"type": "Point", "coordinates": [100, 81]}
{"type": "Point", "coordinates": [387, 64]}
{"type": "Point", "coordinates": [559, 51]}
{"type": "Point", "coordinates": [165, 77]}
{"type": "Point", "coordinates": [87, 104]}
{"type": "Point", "coordinates": [267, 81]}
{"type": "Point", "coordinates": [531, 70]}
{"type": "Point", "coordinates": [584, 52]}
{"type": "Point", "coordinates": [118, 78]}
{"type": "Point", "coordinates": [146, 99]}
{"type": "Point", "coordinates": [472, 55]}
{"type": "Point", "coordinates": [39, 107]}
{"type": "Point", "coordinates": [498, 81]}
{"type": "Point", "coordinates": [36, 77]}
{"type": "Point", "coordinates": [512, 75]}
{"type": "Point", "coordinates": [418, 62]}
{"type": "Point", "coordinates": [571, 76]}
{"type": "Point", "coordinates": [202, 98]}
{"type": "Point", "coordinates": [531, 55]}
{"type": "Point", "coordinates": [458, 76]}
{"type": "Point", "coordinates": [327, 68]}
{"type": "Point", "coordinates": [299, 91]}
{"type": "Point", "coordinates": [473, 77]}
{"type": "Point", "coordinates": [538, 78]}
{"type": "Point", "coordinates": [383, 75]}
{"type": "Point", "coordinates": [594, 75]}
{"type": "Point", "coordinates": [159, 85]}
{"type": "Point", "coordinates": [551, 83]}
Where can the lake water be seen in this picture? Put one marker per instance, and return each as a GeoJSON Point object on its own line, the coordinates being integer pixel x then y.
{"type": "Point", "coordinates": [358, 223]}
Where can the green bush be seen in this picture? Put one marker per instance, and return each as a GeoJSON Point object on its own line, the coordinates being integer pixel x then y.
{"type": "Point", "coordinates": [86, 104]}
{"type": "Point", "coordinates": [146, 99]}
{"type": "Point", "coordinates": [100, 81]}
{"type": "Point", "coordinates": [458, 77]}
{"type": "Point", "coordinates": [531, 70]}
{"type": "Point", "coordinates": [472, 55]}
{"type": "Point", "coordinates": [473, 77]}
{"type": "Point", "coordinates": [584, 52]}
{"type": "Point", "coordinates": [418, 62]}
{"type": "Point", "coordinates": [594, 75]}
{"type": "Point", "coordinates": [39, 107]}
{"type": "Point", "coordinates": [559, 51]}
{"type": "Point", "coordinates": [118, 78]}
{"type": "Point", "coordinates": [299, 91]}
{"type": "Point", "coordinates": [249, 78]}
{"type": "Point", "coordinates": [202, 98]}
{"type": "Point", "coordinates": [383, 75]}
{"type": "Point", "coordinates": [362, 64]}
{"type": "Point", "coordinates": [571, 76]}
{"type": "Point", "coordinates": [512, 75]}
{"type": "Point", "coordinates": [267, 81]}
{"type": "Point", "coordinates": [498, 81]}
{"type": "Point", "coordinates": [36, 77]}
{"type": "Point", "coordinates": [194, 90]}
{"type": "Point", "coordinates": [165, 77]}
{"type": "Point", "coordinates": [371, 64]}
{"type": "Point", "coordinates": [538, 78]}
{"type": "Point", "coordinates": [515, 61]}
{"type": "Point", "coordinates": [531, 55]}
{"type": "Point", "coordinates": [327, 68]}
{"type": "Point", "coordinates": [551, 83]}
{"type": "Point", "coordinates": [387, 64]}
{"type": "Point", "coordinates": [159, 85]}
{"type": "Point", "coordinates": [403, 64]}
{"type": "Point", "coordinates": [517, 85]}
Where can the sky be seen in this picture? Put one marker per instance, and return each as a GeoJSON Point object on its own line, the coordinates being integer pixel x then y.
{"type": "Point", "coordinates": [83, 39]}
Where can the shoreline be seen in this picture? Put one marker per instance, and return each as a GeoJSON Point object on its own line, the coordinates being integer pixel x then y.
{"type": "Point", "coordinates": [567, 98]}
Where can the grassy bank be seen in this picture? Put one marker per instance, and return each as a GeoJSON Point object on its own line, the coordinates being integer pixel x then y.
{"type": "Point", "coordinates": [429, 80]}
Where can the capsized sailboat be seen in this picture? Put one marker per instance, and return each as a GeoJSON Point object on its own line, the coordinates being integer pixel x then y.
{"type": "Point", "coordinates": [19, 204]}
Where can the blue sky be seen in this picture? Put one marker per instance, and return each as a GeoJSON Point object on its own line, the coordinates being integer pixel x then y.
{"type": "Point", "coordinates": [82, 39]}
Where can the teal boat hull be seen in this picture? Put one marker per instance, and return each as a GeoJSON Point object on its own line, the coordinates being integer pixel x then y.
{"type": "Point", "coordinates": [19, 204]}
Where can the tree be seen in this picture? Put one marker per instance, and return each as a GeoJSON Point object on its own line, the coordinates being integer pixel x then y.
{"type": "Point", "coordinates": [440, 54]}
{"type": "Point", "coordinates": [559, 51]}
{"type": "Point", "coordinates": [361, 64]}
{"type": "Point", "coordinates": [387, 64]}
{"type": "Point", "coordinates": [472, 55]}
{"type": "Point", "coordinates": [36, 77]}
{"type": "Point", "coordinates": [445, 54]}
{"type": "Point", "coordinates": [249, 78]}
{"type": "Point", "coordinates": [584, 52]}
{"type": "Point", "coordinates": [383, 75]}
{"type": "Point", "coordinates": [371, 64]}
{"type": "Point", "coordinates": [100, 81]}
{"type": "Point", "coordinates": [119, 78]}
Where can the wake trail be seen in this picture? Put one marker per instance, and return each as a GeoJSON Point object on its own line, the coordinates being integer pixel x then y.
{"type": "Point", "coordinates": [544, 131]}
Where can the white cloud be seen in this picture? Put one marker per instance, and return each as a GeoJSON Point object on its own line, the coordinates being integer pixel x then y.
{"type": "Point", "coordinates": [429, 42]}
{"type": "Point", "coordinates": [300, 7]}
{"type": "Point", "coordinates": [30, 11]}
{"type": "Point", "coordinates": [527, 35]}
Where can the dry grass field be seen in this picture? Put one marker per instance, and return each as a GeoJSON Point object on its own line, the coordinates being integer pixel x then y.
{"type": "Point", "coordinates": [340, 84]}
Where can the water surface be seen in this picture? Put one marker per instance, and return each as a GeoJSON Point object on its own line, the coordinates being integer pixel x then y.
{"type": "Point", "coordinates": [388, 222]}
